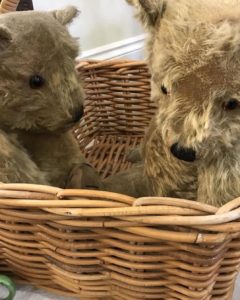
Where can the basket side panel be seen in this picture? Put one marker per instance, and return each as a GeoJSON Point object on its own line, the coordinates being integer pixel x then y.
{"type": "Point", "coordinates": [117, 112]}
{"type": "Point", "coordinates": [108, 248]}
{"type": "Point", "coordinates": [117, 97]}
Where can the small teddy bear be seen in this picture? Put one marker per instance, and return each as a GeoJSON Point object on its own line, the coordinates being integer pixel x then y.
{"type": "Point", "coordinates": [192, 149]}
{"type": "Point", "coordinates": [41, 98]}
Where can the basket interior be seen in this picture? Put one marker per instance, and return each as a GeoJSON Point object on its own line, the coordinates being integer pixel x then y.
{"type": "Point", "coordinates": [117, 112]}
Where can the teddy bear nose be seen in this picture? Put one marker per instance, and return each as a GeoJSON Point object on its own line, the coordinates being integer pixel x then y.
{"type": "Point", "coordinates": [186, 154]}
{"type": "Point", "coordinates": [78, 114]}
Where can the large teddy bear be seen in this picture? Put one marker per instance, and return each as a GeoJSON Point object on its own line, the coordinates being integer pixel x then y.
{"type": "Point", "coordinates": [192, 149]}
{"type": "Point", "coordinates": [40, 97]}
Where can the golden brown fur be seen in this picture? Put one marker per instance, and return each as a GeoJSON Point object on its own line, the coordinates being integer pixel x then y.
{"type": "Point", "coordinates": [194, 52]}
{"type": "Point", "coordinates": [36, 145]}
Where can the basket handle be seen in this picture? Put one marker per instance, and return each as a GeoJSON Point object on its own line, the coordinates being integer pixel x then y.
{"type": "Point", "coordinates": [8, 6]}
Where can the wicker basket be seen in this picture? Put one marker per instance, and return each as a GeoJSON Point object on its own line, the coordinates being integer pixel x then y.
{"type": "Point", "coordinates": [100, 245]}
{"type": "Point", "coordinates": [12, 5]}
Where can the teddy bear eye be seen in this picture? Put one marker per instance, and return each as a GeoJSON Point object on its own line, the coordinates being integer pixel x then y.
{"type": "Point", "coordinates": [164, 89]}
{"type": "Point", "coordinates": [231, 104]}
{"type": "Point", "coordinates": [36, 82]}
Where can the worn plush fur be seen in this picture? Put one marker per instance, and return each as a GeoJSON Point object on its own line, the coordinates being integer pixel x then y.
{"type": "Point", "coordinates": [35, 143]}
{"type": "Point", "coordinates": [194, 57]}
{"type": "Point", "coordinates": [130, 182]}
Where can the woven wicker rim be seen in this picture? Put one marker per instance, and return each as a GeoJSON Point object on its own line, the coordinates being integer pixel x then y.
{"type": "Point", "coordinates": [76, 203]}
{"type": "Point", "coordinates": [8, 6]}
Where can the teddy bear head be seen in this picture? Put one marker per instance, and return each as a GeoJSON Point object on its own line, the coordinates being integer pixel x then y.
{"type": "Point", "coordinates": [193, 51]}
{"type": "Point", "coordinates": [194, 58]}
{"type": "Point", "coordinates": [39, 86]}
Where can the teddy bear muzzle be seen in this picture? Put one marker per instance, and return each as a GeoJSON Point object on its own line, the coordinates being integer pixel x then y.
{"type": "Point", "coordinates": [186, 154]}
{"type": "Point", "coordinates": [78, 114]}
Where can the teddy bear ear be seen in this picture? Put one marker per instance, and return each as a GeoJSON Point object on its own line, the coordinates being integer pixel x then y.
{"type": "Point", "coordinates": [5, 38]}
{"type": "Point", "coordinates": [66, 15]}
{"type": "Point", "coordinates": [150, 11]}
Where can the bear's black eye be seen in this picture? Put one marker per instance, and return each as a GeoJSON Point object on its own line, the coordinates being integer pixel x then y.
{"type": "Point", "coordinates": [231, 104]}
{"type": "Point", "coordinates": [36, 82]}
{"type": "Point", "coordinates": [164, 89]}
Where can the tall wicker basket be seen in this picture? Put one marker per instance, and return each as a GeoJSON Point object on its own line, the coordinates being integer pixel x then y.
{"type": "Point", "coordinates": [100, 245]}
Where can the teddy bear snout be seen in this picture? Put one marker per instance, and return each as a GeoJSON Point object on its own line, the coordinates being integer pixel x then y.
{"type": "Point", "coordinates": [78, 114]}
{"type": "Point", "coordinates": [186, 154]}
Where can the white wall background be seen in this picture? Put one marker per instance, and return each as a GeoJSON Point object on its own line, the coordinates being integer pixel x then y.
{"type": "Point", "coordinates": [101, 21]}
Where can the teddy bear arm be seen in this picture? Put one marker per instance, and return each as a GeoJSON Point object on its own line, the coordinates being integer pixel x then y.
{"type": "Point", "coordinates": [131, 182]}
{"type": "Point", "coordinates": [64, 160]}
{"type": "Point", "coordinates": [55, 155]}
{"type": "Point", "coordinates": [218, 184]}
{"type": "Point", "coordinates": [15, 164]}
{"type": "Point", "coordinates": [135, 155]}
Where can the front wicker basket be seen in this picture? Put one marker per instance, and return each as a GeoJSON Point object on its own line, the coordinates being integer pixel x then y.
{"type": "Point", "coordinates": [100, 245]}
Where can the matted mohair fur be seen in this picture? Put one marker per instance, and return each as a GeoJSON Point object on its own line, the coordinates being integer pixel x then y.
{"type": "Point", "coordinates": [193, 52]}
{"type": "Point", "coordinates": [40, 97]}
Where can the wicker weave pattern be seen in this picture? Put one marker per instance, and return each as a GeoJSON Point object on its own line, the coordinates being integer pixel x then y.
{"type": "Point", "coordinates": [117, 112]}
{"type": "Point", "coordinates": [12, 5]}
{"type": "Point", "coordinates": [8, 5]}
{"type": "Point", "coordinates": [108, 248]}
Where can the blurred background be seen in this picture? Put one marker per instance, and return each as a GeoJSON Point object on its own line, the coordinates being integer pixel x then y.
{"type": "Point", "coordinates": [106, 28]}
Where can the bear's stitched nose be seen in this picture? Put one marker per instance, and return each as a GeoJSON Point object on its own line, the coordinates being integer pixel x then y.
{"type": "Point", "coordinates": [78, 114]}
{"type": "Point", "coordinates": [181, 153]}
